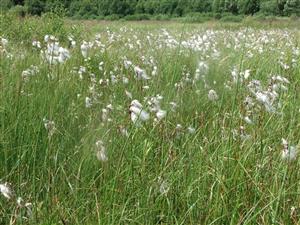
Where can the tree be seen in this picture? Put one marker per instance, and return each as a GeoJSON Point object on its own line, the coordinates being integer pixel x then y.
{"type": "Point", "coordinates": [152, 6]}
{"type": "Point", "coordinates": [218, 6]}
{"type": "Point", "coordinates": [35, 7]}
{"type": "Point", "coordinates": [181, 7]}
{"type": "Point", "coordinates": [292, 7]}
{"type": "Point", "coordinates": [92, 8]}
{"type": "Point", "coordinates": [201, 6]}
{"type": "Point", "coordinates": [5, 4]}
{"type": "Point", "coordinates": [140, 7]}
{"type": "Point", "coordinates": [54, 6]}
{"type": "Point", "coordinates": [269, 7]}
{"type": "Point", "coordinates": [103, 7]}
{"type": "Point", "coordinates": [231, 6]}
{"type": "Point", "coordinates": [167, 6]}
{"type": "Point", "coordinates": [248, 7]}
{"type": "Point", "coordinates": [120, 7]}
{"type": "Point", "coordinates": [18, 2]}
{"type": "Point", "coordinates": [280, 5]}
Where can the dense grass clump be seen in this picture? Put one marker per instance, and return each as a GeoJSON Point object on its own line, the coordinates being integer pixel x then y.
{"type": "Point", "coordinates": [25, 30]}
{"type": "Point", "coordinates": [168, 123]}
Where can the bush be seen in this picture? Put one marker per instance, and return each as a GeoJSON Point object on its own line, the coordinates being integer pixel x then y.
{"type": "Point", "coordinates": [5, 4]}
{"type": "Point", "coordinates": [100, 17]}
{"type": "Point", "coordinates": [294, 17]}
{"type": "Point", "coordinates": [113, 17]}
{"type": "Point", "coordinates": [218, 16]}
{"type": "Point", "coordinates": [269, 8]}
{"type": "Point", "coordinates": [55, 22]}
{"type": "Point", "coordinates": [198, 14]}
{"type": "Point", "coordinates": [137, 17]}
{"type": "Point", "coordinates": [197, 17]}
{"type": "Point", "coordinates": [35, 28]}
{"type": "Point", "coordinates": [77, 17]}
{"type": "Point", "coordinates": [89, 16]}
{"type": "Point", "coordinates": [232, 18]}
{"type": "Point", "coordinates": [194, 19]}
{"type": "Point", "coordinates": [19, 11]}
{"type": "Point", "coordinates": [161, 17]}
{"type": "Point", "coordinates": [259, 17]}
{"type": "Point", "coordinates": [249, 7]}
{"type": "Point", "coordinates": [292, 7]}
{"type": "Point", "coordinates": [271, 18]}
{"type": "Point", "coordinates": [36, 7]}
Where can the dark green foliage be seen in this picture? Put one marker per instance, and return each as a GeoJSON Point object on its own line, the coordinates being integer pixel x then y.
{"type": "Point", "coordinates": [35, 29]}
{"type": "Point", "coordinates": [232, 18]}
{"type": "Point", "coordinates": [84, 8]}
{"type": "Point", "coordinates": [5, 4]}
{"type": "Point", "coordinates": [137, 17]}
{"type": "Point", "coordinates": [18, 2]}
{"type": "Point", "coordinates": [249, 6]}
{"type": "Point", "coordinates": [194, 19]}
{"type": "Point", "coordinates": [19, 10]}
{"type": "Point", "coordinates": [269, 7]}
{"type": "Point", "coordinates": [292, 7]}
{"type": "Point", "coordinates": [113, 9]}
{"type": "Point", "coordinates": [112, 17]}
{"type": "Point", "coordinates": [36, 7]}
{"type": "Point", "coordinates": [161, 17]}
{"type": "Point", "coordinates": [198, 17]}
{"type": "Point", "coordinates": [217, 6]}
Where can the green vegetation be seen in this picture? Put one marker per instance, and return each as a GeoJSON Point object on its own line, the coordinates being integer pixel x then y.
{"type": "Point", "coordinates": [169, 123]}
{"type": "Point", "coordinates": [115, 9]}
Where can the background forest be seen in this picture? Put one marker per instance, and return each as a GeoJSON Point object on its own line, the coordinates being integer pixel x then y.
{"type": "Point", "coordinates": [169, 8]}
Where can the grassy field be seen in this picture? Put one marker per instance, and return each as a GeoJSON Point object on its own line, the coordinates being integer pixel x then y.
{"type": "Point", "coordinates": [149, 123]}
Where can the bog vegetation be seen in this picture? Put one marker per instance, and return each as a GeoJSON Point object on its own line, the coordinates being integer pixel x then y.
{"type": "Point", "coordinates": [167, 123]}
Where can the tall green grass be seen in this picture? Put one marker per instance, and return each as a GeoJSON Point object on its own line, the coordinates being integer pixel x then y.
{"type": "Point", "coordinates": [209, 177]}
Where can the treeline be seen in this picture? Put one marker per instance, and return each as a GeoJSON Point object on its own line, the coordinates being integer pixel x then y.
{"type": "Point", "coordinates": [174, 8]}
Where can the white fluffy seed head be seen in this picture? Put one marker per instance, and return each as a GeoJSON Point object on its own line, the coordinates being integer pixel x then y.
{"type": "Point", "coordinates": [101, 151]}
{"type": "Point", "coordinates": [137, 113]}
{"type": "Point", "coordinates": [141, 74]}
{"type": "Point", "coordinates": [160, 114]}
{"type": "Point", "coordinates": [289, 154]}
{"type": "Point", "coordinates": [191, 130]}
{"type": "Point", "coordinates": [212, 95]}
{"type": "Point", "coordinates": [6, 191]}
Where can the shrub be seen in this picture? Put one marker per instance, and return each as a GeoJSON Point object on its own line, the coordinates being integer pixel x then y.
{"type": "Point", "coordinates": [100, 17]}
{"type": "Point", "coordinates": [36, 27]}
{"type": "Point", "coordinates": [113, 17]}
{"type": "Point", "coordinates": [198, 14]}
{"type": "Point", "coordinates": [137, 17]}
{"type": "Point", "coordinates": [19, 11]}
{"type": "Point", "coordinates": [194, 19]}
{"type": "Point", "coordinates": [36, 7]}
{"type": "Point", "coordinates": [55, 24]}
{"type": "Point", "coordinates": [218, 16]}
{"type": "Point", "coordinates": [271, 18]}
{"type": "Point", "coordinates": [232, 18]}
{"type": "Point", "coordinates": [161, 17]}
{"type": "Point", "coordinates": [292, 7]}
{"type": "Point", "coordinates": [294, 17]}
{"type": "Point", "coordinates": [5, 4]}
{"type": "Point", "coordinates": [89, 16]}
{"type": "Point", "coordinates": [269, 7]}
{"type": "Point", "coordinates": [248, 7]}
{"type": "Point", "coordinates": [197, 17]}
{"type": "Point", "coordinates": [77, 17]}
{"type": "Point", "coordinates": [260, 17]}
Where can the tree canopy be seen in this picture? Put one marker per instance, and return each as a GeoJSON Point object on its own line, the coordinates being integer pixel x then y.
{"type": "Point", "coordinates": [169, 7]}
